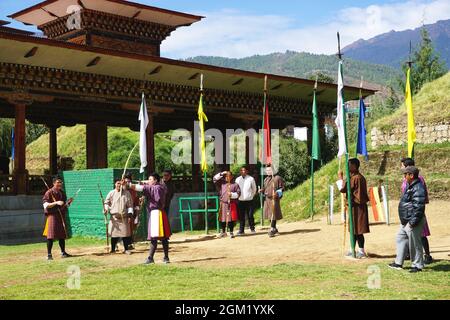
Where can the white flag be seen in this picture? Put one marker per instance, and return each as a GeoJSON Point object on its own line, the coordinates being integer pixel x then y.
{"type": "Point", "coordinates": [143, 118]}
{"type": "Point", "coordinates": [340, 114]}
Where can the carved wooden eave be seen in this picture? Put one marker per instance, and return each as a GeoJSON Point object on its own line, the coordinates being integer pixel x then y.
{"type": "Point", "coordinates": [84, 90]}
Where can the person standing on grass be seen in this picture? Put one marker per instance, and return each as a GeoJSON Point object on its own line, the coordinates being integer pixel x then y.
{"type": "Point", "coordinates": [272, 190]}
{"type": "Point", "coordinates": [248, 188]}
{"type": "Point", "coordinates": [55, 209]}
{"type": "Point", "coordinates": [229, 193]}
{"type": "Point", "coordinates": [358, 201]}
{"type": "Point", "coordinates": [158, 223]}
{"type": "Point", "coordinates": [411, 211]}
{"type": "Point", "coordinates": [428, 259]}
{"type": "Point", "coordinates": [120, 206]}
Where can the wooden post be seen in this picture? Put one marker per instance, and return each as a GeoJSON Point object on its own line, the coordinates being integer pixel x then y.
{"type": "Point", "coordinates": [195, 161]}
{"type": "Point", "coordinates": [20, 172]}
{"type": "Point", "coordinates": [226, 151]}
{"type": "Point", "coordinates": [249, 125]}
{"type": "Point", "coordinates": [96, 145]}
{"type": "Point", "coordinates": [53, 150]}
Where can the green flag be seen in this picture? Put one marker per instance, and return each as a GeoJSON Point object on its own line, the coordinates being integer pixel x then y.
{"type": "Point", "coordinates": [315, 151]}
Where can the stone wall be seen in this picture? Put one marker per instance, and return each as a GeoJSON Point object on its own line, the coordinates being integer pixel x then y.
{"type": "Point", "coordinates": [22, 219]}
{"type": "Point", "coordinates": [425, 134]}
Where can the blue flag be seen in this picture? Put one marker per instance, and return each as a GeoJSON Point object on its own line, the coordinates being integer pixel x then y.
{"type": "Point", "coordinates": [361, 147]}
{"type": "Point", "coordinates": [12, 143]}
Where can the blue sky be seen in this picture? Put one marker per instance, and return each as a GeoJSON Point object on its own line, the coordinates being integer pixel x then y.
{"type": "Point", "coordinates": [239, 28]}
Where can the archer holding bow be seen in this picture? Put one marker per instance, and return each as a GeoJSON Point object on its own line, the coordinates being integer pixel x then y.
{"type": "Point", "coordinates": [55, 209]}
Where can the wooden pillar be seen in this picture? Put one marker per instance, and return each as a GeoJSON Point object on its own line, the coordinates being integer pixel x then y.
{"type": "Point", "coordinates": [151, 166]}
{"type": "Point", "coordinates": [20, 172]}
{"type": "Point", "coordinates": [53, 150]}
{"type": "Point", "coordinates": [249, 125]}
{"type": "Point", "coordinates": [226, 151]}
{"type": "Point", "coordinates": [195, 160]}
{"type": "Point", "coordinates": [96, 145]}
{"type": "Point", "coordinates": [322, 137]}
{"type": "Point", "coordinates": [309, 137]}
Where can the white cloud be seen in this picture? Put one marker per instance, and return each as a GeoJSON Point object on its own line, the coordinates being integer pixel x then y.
{"type": "Point", "coordinates": [230, 33]}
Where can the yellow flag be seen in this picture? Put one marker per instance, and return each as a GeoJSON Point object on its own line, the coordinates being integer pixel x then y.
{"type": "Point", "coordinates": [202, 118]}
{"type": "Point", "coordinates": [409, 110]}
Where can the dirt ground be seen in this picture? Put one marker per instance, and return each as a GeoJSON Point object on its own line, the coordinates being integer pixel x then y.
{"type": "Point", "coordinates": [300, 242]}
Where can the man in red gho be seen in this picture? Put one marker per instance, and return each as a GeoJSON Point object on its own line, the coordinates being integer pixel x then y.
{"type": "Point", "coordinates": [229, 193]}
{"type": "Point", "coordinates": [55, 209]}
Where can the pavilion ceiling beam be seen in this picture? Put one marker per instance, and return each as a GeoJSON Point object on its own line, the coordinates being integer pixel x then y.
{"type": "Point", "coordinates": [194, 76]}
{"type": "Point", "coordinates": [238, 82]}
{"type": "Point", "coordinates": [318, 93]}
{"type": "Point", "coordinates": [276, 87]}
{"type": "Point", "coordinates": [156, 70]}
{"type": "Point", "coordinates": [136, 14]}
{"type": "Point", "coordinates": [31, 53]}
{"type": "Point", "coordinates": [81, 4]}
{"type": "Point", "coordinates": [50, 13]}
{"type": "Point", "coordinates": [94, 62]}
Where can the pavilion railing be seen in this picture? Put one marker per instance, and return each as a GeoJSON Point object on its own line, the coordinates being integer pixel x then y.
{"type": "Point", "coordinates": [7, 185]}
{"type": "Point", "coordinates": [185, 184]}
{"type": "Point", "coordinates": [36, 186]}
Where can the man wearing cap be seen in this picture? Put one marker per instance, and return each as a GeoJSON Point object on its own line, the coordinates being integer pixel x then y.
{"type": "Point", "coordinates": [411, 211]}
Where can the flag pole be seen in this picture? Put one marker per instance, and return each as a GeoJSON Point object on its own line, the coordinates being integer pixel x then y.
{"type": "Point", "coordinates": [344, 121]}
{"type": "Point", "coordinates": [312, 158]}
{"type": "Point", "coordinates": [359, 115]}
{"type": "Point", "coordinates": [205, 173]}
{"type": "Point", "coordinates": [263, 152]}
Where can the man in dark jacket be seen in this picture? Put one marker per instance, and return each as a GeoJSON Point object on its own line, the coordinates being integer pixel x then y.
{"type": "Point", "coordinates": [411, 210]}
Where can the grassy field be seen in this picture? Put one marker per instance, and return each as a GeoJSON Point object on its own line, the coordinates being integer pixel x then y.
{"type": "Point", "coordinates": [24, 274]}
{"type": "Point", "coordinates": [431, 105]}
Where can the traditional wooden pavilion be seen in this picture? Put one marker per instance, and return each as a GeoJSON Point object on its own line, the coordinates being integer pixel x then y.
{"type": "Point", "coordinates": [92, 64]}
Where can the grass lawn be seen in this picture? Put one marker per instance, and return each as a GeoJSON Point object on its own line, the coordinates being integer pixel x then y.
{"type": "Point", "coordinates": [24, 274]}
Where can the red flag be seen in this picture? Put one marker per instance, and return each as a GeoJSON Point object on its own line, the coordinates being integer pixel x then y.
{"type": "Point", "coordinates": [266, 157]}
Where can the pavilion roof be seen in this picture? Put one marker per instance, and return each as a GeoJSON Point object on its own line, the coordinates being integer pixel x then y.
{"type": "Point", "coordinates": [50, 10]}
{"type": "Point", "coordinates": [68, 56]}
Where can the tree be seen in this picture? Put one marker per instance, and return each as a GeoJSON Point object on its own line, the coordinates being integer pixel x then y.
{"type": "Point", "coordinates": [34, 131]}
{"type": "Point", "coordinates": [427, 65]}
{"type": "Point", "coordinates": [322, 77]}
{"type": "Point", "coordinates": [5, 136]}
{"type": "Point", "coordinates": [294, 167]}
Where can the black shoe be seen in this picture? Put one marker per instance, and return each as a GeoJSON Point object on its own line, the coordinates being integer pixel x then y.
{"type": "Point", "coordinates": [271, 234]}
{"type": "Point", "coordinates": [240, 233]}
{"type": "Point", "coordinates": [65, 255]}
{"type": "Point", "coordinates": [231, 235]}
{"type": "Point", "coordinates": [407, 258]}
{"type": "Point", "coordinates": [415, 270]}
{"type": "Point", "coordinates": [49, 257]}
{"type": "Point", "coordinates": [149, 261]}
{"type": "Point", "coordinates": [428, 259]}
{"type": "Point", "coordinates": [395, 266]}
{"type": "Point", "coordinates": [166, 260]}
{"type": "Point", "coordinates": [253, 231]}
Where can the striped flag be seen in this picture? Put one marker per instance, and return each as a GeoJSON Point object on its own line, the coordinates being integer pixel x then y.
{"type": "Point", "coordinates": [340, 121]}
{"type": "Point", "coordinates": [143, 118]}
{"type": "Point", "coordinates": [266, 152]}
